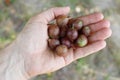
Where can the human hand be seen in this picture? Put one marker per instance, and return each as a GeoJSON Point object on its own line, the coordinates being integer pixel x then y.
{"type": "Point", "coordinates": [32, 41]}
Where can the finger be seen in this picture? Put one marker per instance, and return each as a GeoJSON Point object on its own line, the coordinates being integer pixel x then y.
{"type": "Point", "coordinates": [50, 14]}
{"type": "Point", "coordinates": [91, 48]}
{"type": "Point", "coordinates": [99, 25]}
{"type": "Point", "coordinates": [100, 35]}
{"type": "Point", "coordinates": [69, 58]}
{"type": "Point", "coordinates": [92, 18]}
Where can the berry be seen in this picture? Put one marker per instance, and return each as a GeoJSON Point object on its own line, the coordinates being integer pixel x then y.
{"type": "Point", "coordinates": [81, 41]}
{"type": "Point", "coordinates": [72, 34]}
{"type": "Point", "coordinates": [63, 31]}
{"type": "Point", "coordinates": [53, 31]}
{"type": "Point", "coordinates": [77, 24]}
{"type": "Point", "coordinates": [86, 30]}
{"type": "Point", "coordinates": [53, 43]}
{"type": "Point", "coordinates": [62, 20]}
{"type": "Point", "coordinates": [61, 50]}
{"type": "Point", "coordinates": [66, 42]}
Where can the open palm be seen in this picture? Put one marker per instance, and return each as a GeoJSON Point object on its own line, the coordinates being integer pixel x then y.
{"type": "Point", "coordinates": [39, 59]}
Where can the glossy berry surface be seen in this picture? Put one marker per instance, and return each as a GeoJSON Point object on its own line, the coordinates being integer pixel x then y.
{"type": "Point", "coordinates": [66, 42]}
{"type": "Point", "coordinates": [72, 34]}
{"type": "Point", "coordinates": [62, 20]}
{"type": "Point", "coordinates": [86, 30]}
{"type": "Point", "coordinates": [81, 41]}
{"type": "Point", "coordinates": [61, 50]}
{"type": "Point", "coordinates": [53, 31]}
{"type": "Point", "coordinates": [53, 43]}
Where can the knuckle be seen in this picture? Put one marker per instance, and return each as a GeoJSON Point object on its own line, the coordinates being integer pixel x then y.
{"type": "Point", "coordinates": [108, 32]}
{"type": "Point", "coordinates": [106, 23]}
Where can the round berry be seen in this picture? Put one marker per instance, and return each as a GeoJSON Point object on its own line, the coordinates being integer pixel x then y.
{"type": "Point", "coordinates": [61, 50]}
{"type": "Point", "coordinates": [53, 31]}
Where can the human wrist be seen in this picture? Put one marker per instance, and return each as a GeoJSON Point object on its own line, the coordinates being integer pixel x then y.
{"type": "Point", "coordinates": [12, 64]}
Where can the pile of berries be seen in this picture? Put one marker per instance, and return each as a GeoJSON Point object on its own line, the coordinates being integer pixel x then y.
{"type": "Point", "coordinates": [67, 33]}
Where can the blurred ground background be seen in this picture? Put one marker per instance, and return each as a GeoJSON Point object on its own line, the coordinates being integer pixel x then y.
{"type": "Point", "coordinates": [104, 65]}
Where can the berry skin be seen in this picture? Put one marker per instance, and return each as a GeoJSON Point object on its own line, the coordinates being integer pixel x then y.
{"type": "Point", "coordinates": [77, 24]}
{"type": "Point", "coordinates": [72, 34]}
{"type": "Point", "coordinates": [70, 22]}
{"type": "Point", "coordinates": [62, 20]}
{"type": "Point", "coordinates": [53, 31]}
{"type": "Point", "coordinates": [86, 30]}
{"type": "Point", "coordinates": [61, 50]}
{"type": "Point", "coordinates": [66, 42]}
{"type": "Point", "coordinates": [63, 31]}
{"type": "Point", "coordinates": [53, 43]}
{"type": "Point", "coordinates": [81, 41]}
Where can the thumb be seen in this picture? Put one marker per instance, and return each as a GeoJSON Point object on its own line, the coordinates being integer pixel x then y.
{"type": "Point", "coordinates": [50, 14]}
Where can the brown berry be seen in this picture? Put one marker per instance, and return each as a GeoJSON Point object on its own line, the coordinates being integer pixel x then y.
{"type": "Point", "coordinates": [72, 34]}
{"type": "Point", "coordinates": [62, 20]}
{"type": "Point", "coordinates": [66, 42]}
{"type": "Point", "coordinates": [53, 43]}
{"type": "Point", "coordinates": [53, 31]}
{"type": "Point", "coordinates": [70, 22]}
{"type": "Point", "coordinates": [86, 30]}
{"type": "Point", "coordinates": [63, 31]}
{"type": "Point", "coordinates": [82, 41]}
{"type": "Point", "coordinates": [61, 50]}
{"type": "Point", "coordinates": [77, 24]}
